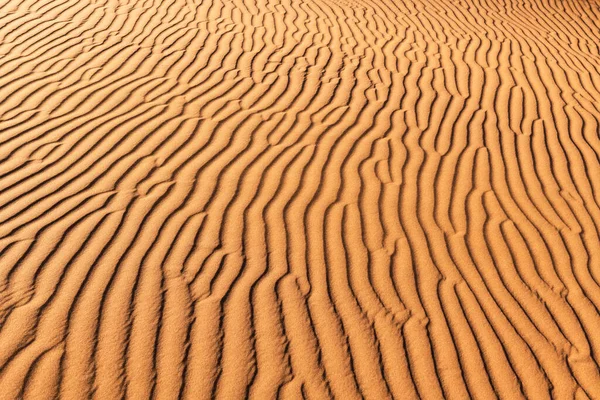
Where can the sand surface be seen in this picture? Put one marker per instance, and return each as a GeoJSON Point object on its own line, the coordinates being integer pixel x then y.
{"type": "Point", "coordinates": [318, 199]}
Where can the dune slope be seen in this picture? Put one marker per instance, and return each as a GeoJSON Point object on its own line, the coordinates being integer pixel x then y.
{"type": "Point", "coordinates": [295, 199]}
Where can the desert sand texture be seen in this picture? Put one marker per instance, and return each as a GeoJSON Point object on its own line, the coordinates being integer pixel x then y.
{"type": "Point", "coordinates": [299, 199]}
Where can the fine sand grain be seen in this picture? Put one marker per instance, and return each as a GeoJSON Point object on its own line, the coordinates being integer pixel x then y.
{"type": "Point", "coordinates": [318, 199]}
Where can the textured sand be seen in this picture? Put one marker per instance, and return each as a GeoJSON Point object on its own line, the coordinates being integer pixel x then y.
{"type": "Point", "coordinates": [296, 199]}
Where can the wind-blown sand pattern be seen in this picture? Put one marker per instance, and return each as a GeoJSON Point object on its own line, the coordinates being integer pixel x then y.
{"type": "Point", "coordinates": [295, 199]}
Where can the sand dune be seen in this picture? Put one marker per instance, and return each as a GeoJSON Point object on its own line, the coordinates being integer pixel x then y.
{"type": "Point", "coordinates": [296, 199]}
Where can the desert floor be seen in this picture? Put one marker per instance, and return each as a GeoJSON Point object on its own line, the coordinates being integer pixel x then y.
{"type": "Point", "coordinates": [349, 199]}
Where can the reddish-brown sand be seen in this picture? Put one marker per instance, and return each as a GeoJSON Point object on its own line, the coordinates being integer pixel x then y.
{"type": "Point", "coordinates": [295, 199]}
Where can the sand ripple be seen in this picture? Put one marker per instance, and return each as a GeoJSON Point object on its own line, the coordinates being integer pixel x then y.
{"type": "Point", "coordinates": [299, 199]}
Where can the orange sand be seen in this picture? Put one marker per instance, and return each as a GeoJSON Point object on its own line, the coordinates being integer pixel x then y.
{"type": "Point", "coordinates": [296, 199]}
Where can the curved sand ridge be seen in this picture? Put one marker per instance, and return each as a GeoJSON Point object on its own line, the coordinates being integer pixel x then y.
{"type": "Point", "coordinates": [299, 199]}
